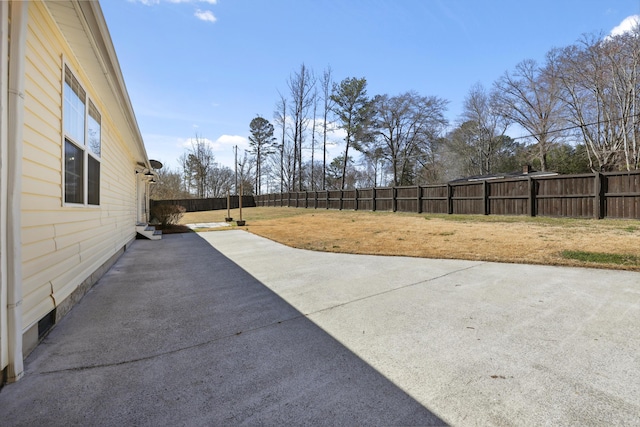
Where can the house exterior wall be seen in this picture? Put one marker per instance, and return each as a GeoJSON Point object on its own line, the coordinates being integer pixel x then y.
{"type": "Point", "coordinates": [62, 245]}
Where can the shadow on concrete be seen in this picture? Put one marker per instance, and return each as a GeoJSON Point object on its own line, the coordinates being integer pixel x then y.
{"type": "Point", "coordinates": [177, 334]}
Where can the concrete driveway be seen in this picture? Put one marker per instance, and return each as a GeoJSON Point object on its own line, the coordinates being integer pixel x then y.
{"type": "Point", "coordinates": [227, 328]}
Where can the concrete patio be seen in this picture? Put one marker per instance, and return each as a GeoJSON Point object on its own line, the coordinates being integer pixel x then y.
{"type": "Point", "coordinates": [227, 328]}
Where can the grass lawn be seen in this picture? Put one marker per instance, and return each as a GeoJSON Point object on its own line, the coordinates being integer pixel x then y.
{"type": "Point", "coordinates": [540, 240]}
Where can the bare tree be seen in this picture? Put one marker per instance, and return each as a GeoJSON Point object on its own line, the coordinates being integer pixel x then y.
{"type": "Point", "coordinates": [622, 62]}
{"type": "Point", "coordinates": [245, 166]}
{"type": "Point", "coordinates": [221, 179]}
{"type": "Point", "coordinates": [326, 84]}
{"type": "Point", "coordinates": [168, 186]}
{"type": "Point", "coordinates": [197, 162]}
{"type": "Point", "coordinates": [372, 163]}
{"type": "Point", "coordinates": [466, 154]}
{"type": "Point", "coordinates": [406, 125]}
{"type": "Point", "coordinates": [599, 88]}
{"type": "Point", "coordinates": [313, 139]}
{"type": "Point", "coordinates": [487, 126]}
{"type": "Point", "coordinates": [530, 97]}
{"type": "Point", "coordinates": [280, 117]}
{"type": "Point", "coordinates": [301, 86]}
{"type": "Point", "coordinates": [282, 162]}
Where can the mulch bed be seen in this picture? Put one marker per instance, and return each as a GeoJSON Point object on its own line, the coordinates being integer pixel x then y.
{"type": "Point", "coordinates": [173, 229]}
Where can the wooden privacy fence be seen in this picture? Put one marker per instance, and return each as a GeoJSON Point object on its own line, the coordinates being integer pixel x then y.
{"type": "Point", "coordinates": [197, 205]}
{"type": "Point", "coordinates": [599, 195]}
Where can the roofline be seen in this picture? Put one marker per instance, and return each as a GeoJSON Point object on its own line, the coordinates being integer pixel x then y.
{"type": "Point", "coordinates": [101, 40]}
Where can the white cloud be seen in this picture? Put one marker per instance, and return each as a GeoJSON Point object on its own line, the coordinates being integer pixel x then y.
{"type": "Point", "coordinates": [205, 15]}
{"type": "Point", "coordinates": [220, 144]}
{"type": "Point", "coordinates": [209, 15]}
{"type": "Point", "coordinates": [626, 25]}
{"type": "Point", "coordinates": [146, 2]}
{"type": "Point", "coordinates": [230, 140]}
{"type": "Point", "coordinates": [189, 142]}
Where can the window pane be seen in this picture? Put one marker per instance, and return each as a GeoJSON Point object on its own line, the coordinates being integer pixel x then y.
{"type": "Point", "coordinates": [93, 129]}
{"type": "Point", "coordinates": [74, 108]}
{"type": "Point", "coordinates": [73, 159]}
{"type": "Point", "coordinates": [94, 181]}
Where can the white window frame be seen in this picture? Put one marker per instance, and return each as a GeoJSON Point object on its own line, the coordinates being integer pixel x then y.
{"type": "Point", "coordinates": [83, 146]}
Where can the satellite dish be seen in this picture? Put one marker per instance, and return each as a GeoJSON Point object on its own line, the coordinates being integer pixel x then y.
{"type": "Point", "coordinates": [155, 164]}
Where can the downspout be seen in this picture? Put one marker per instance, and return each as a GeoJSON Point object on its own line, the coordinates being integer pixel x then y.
{"type": "Point", "coordinates": [4, 74]}
{"type": "Point", "coordinates": [18, 35]}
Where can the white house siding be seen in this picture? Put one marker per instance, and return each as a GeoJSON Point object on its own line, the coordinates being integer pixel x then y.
{"type": "Point", "coordinates": [62, 245]}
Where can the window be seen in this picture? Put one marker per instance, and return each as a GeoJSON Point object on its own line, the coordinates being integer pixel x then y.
{"type": "Point", "coordinates": [73, 173]}
{"type": "Point", "coordinates": [82, 144]}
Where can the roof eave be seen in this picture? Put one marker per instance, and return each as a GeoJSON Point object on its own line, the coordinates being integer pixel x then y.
{"type": "Point", "coordinates": [101, 40]}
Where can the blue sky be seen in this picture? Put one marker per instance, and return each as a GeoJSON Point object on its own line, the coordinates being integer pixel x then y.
{"type": "Point", "coordinates": [209, 66]}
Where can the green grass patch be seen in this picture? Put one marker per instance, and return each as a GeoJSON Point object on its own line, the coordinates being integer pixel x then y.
{"type": "Point", "coordinates": [602, 258]}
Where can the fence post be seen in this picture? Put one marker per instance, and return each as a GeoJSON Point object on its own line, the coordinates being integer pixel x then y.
{"type": "Point", "coordinates": [599, 205]}
{"type": "Point", "coordinates": [532, 196]}
{"type": "Point", "coordinates": [373, 199]}
{"type": "Point", "coordinates": [449, 199]}
{"type": "Point", "coordinates": [394, 202]}
{"type": "Point", "coordinates": [315, 199]}
{"type": "Point", "coordinates": [419, 198]}
{"type": "Point", "coordinates": [356, 201]}
{"type": "Point", "coordinates": [485, 197]}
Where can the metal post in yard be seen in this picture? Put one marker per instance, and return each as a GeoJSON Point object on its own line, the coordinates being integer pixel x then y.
{"type": "Point", "coordinates": [228, 218]}
{"type": "Point", "coordinates": [240, 221]}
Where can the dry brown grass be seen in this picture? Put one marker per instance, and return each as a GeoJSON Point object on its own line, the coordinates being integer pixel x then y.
{"type": "Point", "coordinates": [487, 238]}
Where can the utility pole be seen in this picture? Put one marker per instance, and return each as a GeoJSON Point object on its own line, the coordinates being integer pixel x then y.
{"type": "Point", "coordinates": [235, 149]}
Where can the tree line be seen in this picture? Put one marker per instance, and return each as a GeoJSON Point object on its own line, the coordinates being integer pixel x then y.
{"type": "Point", "coordinates": [578, 111]}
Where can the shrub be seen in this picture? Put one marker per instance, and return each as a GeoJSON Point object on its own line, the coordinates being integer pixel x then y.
{"type": "Point", "coordinates": [167, 214]}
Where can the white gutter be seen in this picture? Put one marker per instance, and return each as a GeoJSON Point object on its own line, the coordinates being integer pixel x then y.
{"type": "Point", "coordinates": [19, 17]}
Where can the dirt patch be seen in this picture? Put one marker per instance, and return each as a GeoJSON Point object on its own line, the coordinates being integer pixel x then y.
{"type": "Point", "coordinates": [485, 238]}
{"type": "Point", "coordinates": [173, 229]}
